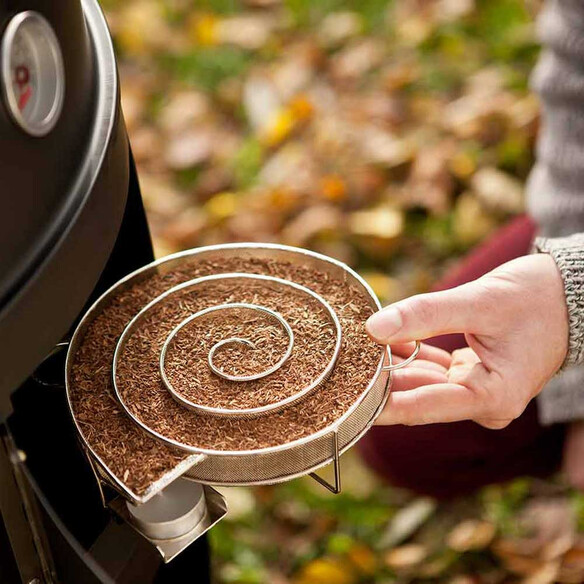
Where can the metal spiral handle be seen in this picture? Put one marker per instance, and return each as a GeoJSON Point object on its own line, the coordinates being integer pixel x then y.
{"type": "Point", "coordinates": [393, 366]}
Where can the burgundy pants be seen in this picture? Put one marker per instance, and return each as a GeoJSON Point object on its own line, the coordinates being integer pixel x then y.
{"type": "Point", "coordinates": [448, 460]}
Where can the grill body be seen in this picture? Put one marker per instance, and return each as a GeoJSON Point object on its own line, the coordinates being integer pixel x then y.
{"type": "Point", "coordinates": [71, 224]}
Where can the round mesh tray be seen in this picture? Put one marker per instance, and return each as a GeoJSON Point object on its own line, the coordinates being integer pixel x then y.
{"type": "Point", "coordinates": [275, 463]}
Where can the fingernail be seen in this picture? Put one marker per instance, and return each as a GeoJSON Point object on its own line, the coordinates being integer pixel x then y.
{"type": "Point", "coordinates": [384, 324]}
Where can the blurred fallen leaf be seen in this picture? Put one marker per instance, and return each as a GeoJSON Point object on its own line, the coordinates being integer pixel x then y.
{"type": "Point", "coordinates": [290, 168]}
{"type": "Point", "coordinates": [161, 196]}
{"type": "Point", "coordinates": [471, 221]}
{"type": "Point", "coordinates": [203, 29]}
{"type": "Point", "coordinates": [133, 104]}
{"type": "Point", "coordinates": [183, 231]}
{"type": "Point", "coordinates": [545, 575]}
{"type": "Point", "coordinates": [279, 127]}
{"type": "Point", "coordinates": [429, 184]}
{"type": "Point", "coordinates": [498, 190]}
{"type": "Point", "coordinates": [385, 148]}
{"type": "Point", "coordinates": [142, 27]}
{"type": "Point", "coordinates": [333, 188]}
{"type": "Point", "coordinates": [452, 10]}
{"type": "Point", "coordinates": [339, 27]}
{"type": "Point", "coordinates": [222, 205]}
{"type": "Point", "coordinates": [261, 102]}
{"type": "Point", "coordinates": [400, 74]}
{"type": "Point", "coordinates": [471, 535]}
{"type": "Point", "coordinates": [248, 31]}
{"type": "Point", "coordinates": [572, 566]}
{"type": "Point", "coordinates": [363, 558]}
{"type": "Point", "coordinates": [432, 568]}
{"type": "Point", "coordinates": [147, 145]}
{"type": "Point", "coordinates": [407, 520]}
{"type": "Point", "coordinates": [301, 108]}
{"type": "Point", "coordinates": [326, 571]}
{"type": "Point", "coordinates": [182, 110]}
{"type": "Point", "coordinates": [377, 232]}
{"type": "Point", "coordinates": [357, 59]}
{"type": "Point", "coordinates": [311, 222]}
{"type": "Point", "coordinates": [406, 557]}
{"type": "Point", "coordinates": [383, 222]}
{"type": "Point", "coordinates": [188, 149]}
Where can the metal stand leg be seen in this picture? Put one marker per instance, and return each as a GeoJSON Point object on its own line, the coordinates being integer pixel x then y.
{"type": "Point", "coordinates": [336, 488]}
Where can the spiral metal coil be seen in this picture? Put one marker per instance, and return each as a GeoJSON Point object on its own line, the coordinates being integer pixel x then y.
{"type": "Point", "coordinates": [191, 286]}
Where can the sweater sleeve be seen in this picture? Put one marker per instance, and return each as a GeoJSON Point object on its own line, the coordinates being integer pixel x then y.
{"type": "Point", "coordinates": [555, 190]}
{"type": "Point", "coordinates": [562, 400]}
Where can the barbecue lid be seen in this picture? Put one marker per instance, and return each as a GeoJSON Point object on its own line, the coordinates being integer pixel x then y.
{"type": "Point", "coordinates": [64, 169]}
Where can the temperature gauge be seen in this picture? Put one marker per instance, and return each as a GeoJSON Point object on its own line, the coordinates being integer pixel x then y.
{"type": "Point", "coordinates": [33, 76]}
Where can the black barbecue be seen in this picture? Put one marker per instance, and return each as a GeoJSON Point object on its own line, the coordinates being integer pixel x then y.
{"type": "Point", "coordinates": [72, 224]}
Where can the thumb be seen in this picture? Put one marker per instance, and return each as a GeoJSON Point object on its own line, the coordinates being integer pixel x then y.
{"type": "Point", "coordinates": [427, 315]}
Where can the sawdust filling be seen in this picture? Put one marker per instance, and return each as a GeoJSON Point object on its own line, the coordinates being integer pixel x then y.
{"type": "Point", "coordinates": [139, 460]}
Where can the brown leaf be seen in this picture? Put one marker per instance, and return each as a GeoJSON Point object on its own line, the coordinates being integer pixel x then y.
{"type": "Point", "coordinates": [430, 184]}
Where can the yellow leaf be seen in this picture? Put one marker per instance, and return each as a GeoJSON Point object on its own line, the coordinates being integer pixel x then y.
{"type": "Point", "coordinates": [203, 29]}
{"type": "Point", "coordinates": [279, 128]}
{"type": "Point", "coordinates": [326, 571]}
{"type": "Point", "coordinates": [363, 558]}
{"type": "Point", "coordinates": [222, 205]}
{"type": "Point", "coordinates": [462, 165]}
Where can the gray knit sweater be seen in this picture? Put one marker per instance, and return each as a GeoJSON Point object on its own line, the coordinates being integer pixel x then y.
{"type": "Point", "coordinates": [555, 190]}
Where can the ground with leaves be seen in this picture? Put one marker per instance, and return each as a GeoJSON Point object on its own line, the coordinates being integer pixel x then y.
{"type": "Point", "coordinates": [393, 135]}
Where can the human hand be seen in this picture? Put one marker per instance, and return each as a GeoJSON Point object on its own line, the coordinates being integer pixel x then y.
{"type": "Point", "coordinates": [515, 321]}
